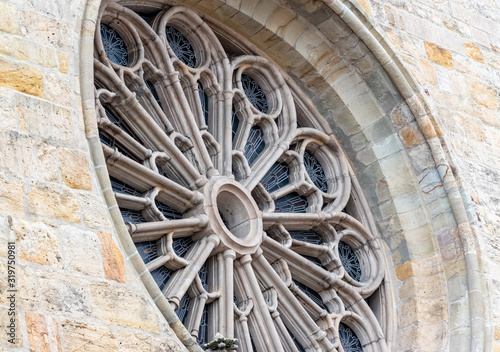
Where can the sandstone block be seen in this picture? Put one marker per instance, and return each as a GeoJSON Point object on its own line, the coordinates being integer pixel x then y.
{"type": "Point", "coordinates": [26, 50]}
{"type": "Point", "coordinates": [63, 61]}
{"type": "Point", "coordinates": [87, 338]}
{"type": "Point", "coordinates": [409, 136]}
{"type": "Point", "coordinates": [438, 55]}
{"type": "Point", "coordinates": [4, 329]}
{"type": "Point", "coordinates": [423, 311]}
{"type": "Point", "coordinates": [38, 333]}
{"type": "Point", "coordinates": [8, 18]}
{"type": "Point", "coordinates": [473, 51]}
{"type": "Point", "coordinates": [21, 77]}
{"type": "Point", "coordinates": [75, 169]}
{"type": "Point", "coordinates": [114, 268]}
{"type": "Point", "coordinates": [484, 95]}
{"type": "Point", "coordinates": [27, 292]}
{"type": "Point", "coordinates": [422, 287]}
{"type": "Point", "coordinates": [40, 28]}
{"type": "Point", "coordinates": [131, 342]}
{"type": "Point", "coordinates": [48, 160]}
{"type": "Point", "coordinates": [118, 305]}
{"type": "Point", "coordinates": [52, 200]}
{"type": "Point", "coordinates": [59, 89]}
{"type": "Point", "coordinates": [87, 262]}
{"type": "Point", "coordinates": [94, 211]}
{"type": "Point", "coordinates": [38, 242]}
{"type": "Point", "coordinates": [11, 195]}
{"type": "Point", "coordinates": [5, 45]}
{"type": "Point", "coordinates": [64, 294]}
{"type": "Point", "coordinates": [55, 334]}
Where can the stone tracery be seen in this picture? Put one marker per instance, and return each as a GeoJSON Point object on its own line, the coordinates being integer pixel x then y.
{"type": "Point", "coordinates": [201, 194]}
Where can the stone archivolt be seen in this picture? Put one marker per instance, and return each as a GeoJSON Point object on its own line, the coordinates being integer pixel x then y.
{"type": "Point", "coordinates": [190, 130]}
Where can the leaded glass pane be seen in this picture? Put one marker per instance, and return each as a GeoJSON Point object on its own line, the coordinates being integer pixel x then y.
{"type": "Point", "coordinates": [315, 171]}
{"type": "Point", "coordinates": [254, 93]}
{"type": "Point", "coordinates": [348, 339]}
{"type": "Point", "coordinates": [235, 122]}
{"type": "Point", "coordinates": [153, 91]}
{"type": "Point", "coordinates": [114, 45]}
{"type": "Point", "coordinates": [291, 203]}
{"type": "Point", "coordinates": [133, 216]}
{"type": "Point", "coordinates": [296, 343]}
{"type": "Point", "coordinates": [183, 308]}
{"type": "Point", "coordinates": [182, 245]}
{"type": "Point", "coordinates": [306, 236]}
{"type": "Point", "coordinates": [147, 250]}
{"type": "Point", "coordinates": [161, 276]}
{"type": "Point", "coordinates": [350, 261]}
{"type": "Point", "coordinates": [168, 212]}
{"type": "Point", "coordinates": [203, 331]}
{"type": "Point", "coordinates": [181, 47]}
{"type": "Point", "coordinates": [276, 177]}
{"type": "Point", "coordinates": [255, 144]}
{"type": "Point", "coordinates": [203, 274]}
{"type": "Point", "coordinates": [121, 187]}
{"type": "Point", "coordinates": [204, 102]}
{"type": "Point", "coordinates": [118, 121]}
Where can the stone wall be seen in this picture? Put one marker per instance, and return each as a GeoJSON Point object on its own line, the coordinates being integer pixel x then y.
{"type": "Point", "coordinates": [75, 290]}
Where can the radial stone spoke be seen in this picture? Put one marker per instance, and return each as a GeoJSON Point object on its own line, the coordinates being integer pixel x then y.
{"type": "Point", "coordinates": [150, 231]}
{"type": "Point", "coordinates": [262, 328]}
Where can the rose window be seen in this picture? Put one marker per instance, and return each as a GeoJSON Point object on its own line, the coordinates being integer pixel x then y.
{"type": "Point", "coordinates": [246, 221]}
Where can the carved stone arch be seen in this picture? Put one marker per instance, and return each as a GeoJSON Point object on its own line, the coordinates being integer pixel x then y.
{"type": "Point", "coordinates": [345, 69]}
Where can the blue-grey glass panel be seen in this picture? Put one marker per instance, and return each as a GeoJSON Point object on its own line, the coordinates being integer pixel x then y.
{"type": "Point", "coordinates": [350, 261]}
{"type": "Point", "coordinates": [182, 245]}
{"type": "Point", "coordinates": [203, 331]}
{"type": "Point", "coordinates": [294, 339]}
{"type": "Point", "coordinates": [254, 93]}
{"type": "Point", "coordinates": [291, 203]}
{"type": "Point", "coordinates": [168, 212]}
{"type": "Point", "coordinates": [276, 177]}
{"type": "Point", "coordinates": [121, 187]}
{"type": "Point", "coordinates": [161, 276]}
{"type": "Point", "coordinates": [183, 308]}
{"type": "Point", "coordinates": [306, 236]}
{"type": "Point", "coordinates": [235, 122]}
{"type": "Point", "coordinates": [204, 102]}
{"type": "Point", "coordinates": [313, 295]}
{"type": "Point", "coordinates": [203, 274]}
{"type": "Point", "coordinates": [315, 171]}
{"type": "Point", "coordinates": [255, 144]}
{"type": "Point", "coordinates": [133, 216]}
{"type": "Point", "coordinates": [181, 47]}
{"type": "Point", "coordinates": [114, 45]}
{"type": "Point", "coordinates": [147, 250]}
{"type": "Point", "coordinates": [348, 339]}
{"type": "Point", "coordinates": [153, 91]}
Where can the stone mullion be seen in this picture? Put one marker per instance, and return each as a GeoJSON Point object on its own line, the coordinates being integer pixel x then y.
{"type": "Point", "coordinates": [306, 330]}
{"type": "Point", "coordinates": [180, 281]}
{"type": "Point", "coordinates": [195, 314]}
{"type": "Point", "coordinates": [241, 324]}
{"type": "Point", "coordinates": [227, 297]}
{"type": "Point", "coordinates": [151, 231]}
{"type": "Point", "coordinates": [265, 335]}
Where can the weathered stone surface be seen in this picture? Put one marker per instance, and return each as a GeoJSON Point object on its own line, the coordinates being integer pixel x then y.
{"type": "Point", "coordinates": [58, 88]}
{"type": "Point", "coordinates": [114, 268]}
{"type": "Point", "coordinates": [38, 333]}
{"type": "Point", "coordinates": [48, 159]}
{"type": "Point", "coordinates": [484, 95]}
{"type": "Point", "coordinates": [26, 50]}
{"type": "Point", "coordinates": [20, 77]}
{"type": "Point", "coordinates": [63, 61]}
{"type": "Point", "coordinates": [75, 170]}
{"type": "Point", "coordinates": [95, 213]}
{"type": "Point", "coordinates": [438, 55]}
{"type": "Point", "coordinates": [86, 261]}
{"type": "Point", "coordinates": [27, 296]}
{"type": "Point", "coordinates": [79, 336]}
{"type": "Point", "coordinates": [473, 51]}
{"type": "Point", "coordinates": [40, 28]}
{"type": "Point", "coordinates": [118, 305]}
{"type": "Point", "coordinates": [38, 242]}
{"type": "Point", "coordinates": [131, 342]}
{"type": "Point", "coordinates": [12, 194]}
{"type": "Point", "coordinates": [53, 200]}
{"type": "Point", "coordinates": [55, 335]}
{"type": "Point", "coordinates": [5, 321]}
{"type": "Point", "coordinates": [5, 45]}
{"type": "Point", "coordinates": [8, 18]}
{"type": "Point", "coordinates": [64, 294]}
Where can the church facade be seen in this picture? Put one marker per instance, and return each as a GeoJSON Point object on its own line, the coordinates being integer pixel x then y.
{"type": "Point", "coordinates": [296, 175]}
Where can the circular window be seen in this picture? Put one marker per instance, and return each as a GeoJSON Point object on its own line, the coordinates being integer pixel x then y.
{"type": "Point", "coordinates": [114, 45]}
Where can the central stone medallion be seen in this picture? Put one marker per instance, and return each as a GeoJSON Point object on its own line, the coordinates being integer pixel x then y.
{"type": "Point", "coordinates": [233, 215]}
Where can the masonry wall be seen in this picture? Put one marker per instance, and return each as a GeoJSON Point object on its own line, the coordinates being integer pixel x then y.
{"type": "Point", "coordinates": [75, 291]}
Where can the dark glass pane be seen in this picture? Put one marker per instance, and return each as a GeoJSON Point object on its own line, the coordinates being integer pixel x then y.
{"type": "Point", "coordinates": [315, 171]}
{"type": "Point", "coordinates": [306, 236]}
{"type": "Point", "coordinates": [168, 212]}
{"type": "Point", "coordinates": [350, 261]}
{"type": "Point", "coordinates": [121, 187]}
{"type": "Point", "coordinates": [204, 102]}
{"type": "Point", "coordinates": [254, 93]}
{"type": "Point", "coordinates": [348, 339]}
{"type": "Point", "coordinates": [133, 216]}
{"type": "Point", "coordinates": [255, 144]}
{"type": "Point", "coordinates": [291, 203]}
{"type": "Point", "coordinates": [276, 177]}
{"type": "Point", "coordinates": [203, 274]}
{"type": "Point", "coordinates": [161, 276]}
{"type": "Point", "coordinates": [313, 295]}
{"type": "Point", "coordinates": [182, 245]}
{"type": "Point", "coordinates": [183, 308]}
{"type": "Point", "coordinates": [203, 331]}
{"type": "Point", "coordinates": [235, 122]}
{"type": "Point", "coordinates": [181, 47]}
{"type": "Point", "coordinates": [294, 339]}
{"type": "Point", "coordinates": [153, 91]}
{"type": "Point", "coordinates": [114, 45]}
{"type": "Point", "coordinates": [147, 250]}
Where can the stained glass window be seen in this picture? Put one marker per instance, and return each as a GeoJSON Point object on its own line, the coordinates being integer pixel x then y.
{"type": "Point", "coordinates": [153, 91]}
{"type": "Point", "coordinates": [307, 236]}
{"type": "Point", "coordinates": [254, 93]}
{"type": "Point", "coordinates": [203, 331]}
{"type": "Point", "coordinates": [121, 187]}
{"type": "Point", "coordinates": [235, 122]}
{"type": "Point", "coordinates": [291, 203]}
{"type": "Point", "coordinates": [348, 339]}
{"type": "Point", "coordinates": [161, 276]}
{"type": "Point", "coordinates": [203, 273]}
{"type": "Point", "coordinates": [315, 171]}
{"type": "Point", "coordinates": [147, 250]}
{"type": "Point", "coordinates": [313, 295]}
{"type": "Point", "coordinates": [350, 261]}
{"type": "Point", "coordinates": [114, 45]}
{"type": "Point", "coordinates": [255, 144]}
{"type": "Point", "coordinates": [204, 102]}
{"type": "Point", "coordinates": [182, 245]}
{"type": "Point", "coordinates": [167, 211]}
{"type": "Point", "coordinates": [133, 216]}
{"type": "Point", "coordinates": [181, 47]}
{"type": "Point", "coordinates": [276, 177]}
{"type": "Point", "coordinates": [183, 308]}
